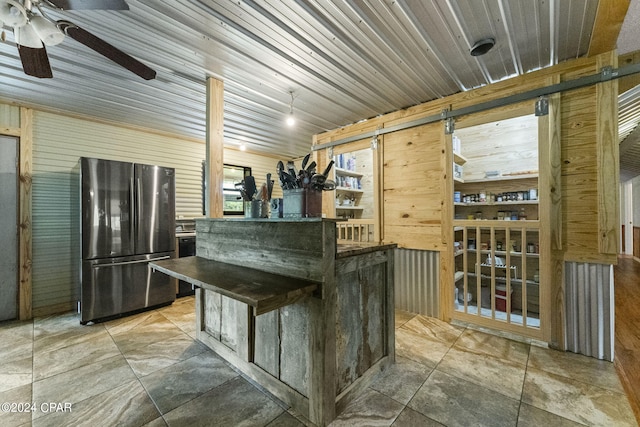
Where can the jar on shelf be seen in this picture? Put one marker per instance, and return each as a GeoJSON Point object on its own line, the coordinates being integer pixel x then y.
{"type": "Point", "coordinates": [522, 216]}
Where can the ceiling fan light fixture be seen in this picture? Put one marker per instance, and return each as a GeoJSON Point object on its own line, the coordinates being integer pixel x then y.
{"type": "Point", "coordinates": [13, 13]}
{"type": "Point", "coordinates": [482, 46]}
{"type": "Point", "coordinates": [47, 31]}
{"type": "Point", "coordinates": [27, 36]}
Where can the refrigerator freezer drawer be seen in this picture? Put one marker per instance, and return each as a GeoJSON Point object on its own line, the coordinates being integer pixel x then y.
{"type": "Point", "coordinates": [115, 286]}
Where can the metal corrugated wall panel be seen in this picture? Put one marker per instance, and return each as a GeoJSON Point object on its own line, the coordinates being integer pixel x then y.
{"type": "Point", "coordinates": [345, 60]}
{"type": "Point", "coordinates": [416, 281]}
{"type": "Point", "coordinates": [589, 309]}
{"type": "Point", "coordinates": [628, 112]}
{"type": "Point", "coordinates": [59, 142]}
{"type": "Point", "coordinates": [260, 165]}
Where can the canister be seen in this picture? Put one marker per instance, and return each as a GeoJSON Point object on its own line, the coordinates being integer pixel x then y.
{"type": "Point", "coordinates": [457, 196]}
{"type": "Point", "coordinates": [533, 194]}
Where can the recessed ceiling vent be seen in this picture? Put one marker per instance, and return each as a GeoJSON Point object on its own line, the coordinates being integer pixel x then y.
{"type": "Point", "coordinates": [482, 46]}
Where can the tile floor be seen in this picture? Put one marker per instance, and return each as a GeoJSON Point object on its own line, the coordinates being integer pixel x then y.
{"type": "Point", "coordinates": [147, 370]}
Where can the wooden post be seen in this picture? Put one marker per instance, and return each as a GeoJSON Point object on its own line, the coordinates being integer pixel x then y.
{"type": "Point", "coordinates": [608, 159]}
{"type": "Point", "coordinates": [25, 255]}
{"type": "Point", "coordinates": [214, 172]}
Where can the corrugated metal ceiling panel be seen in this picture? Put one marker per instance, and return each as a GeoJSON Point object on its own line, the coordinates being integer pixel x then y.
{"type": "Point", "coordinates": [344, 60]}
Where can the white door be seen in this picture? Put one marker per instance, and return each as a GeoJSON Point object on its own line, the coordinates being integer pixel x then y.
{"type": "Point", "coordinates": [8, 227]}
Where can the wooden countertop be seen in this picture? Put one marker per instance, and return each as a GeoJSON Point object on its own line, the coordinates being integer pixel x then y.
{"type": "Point", "coordinates": [351, 249]}
{"type": "Point", "coordinates": [261, 290]}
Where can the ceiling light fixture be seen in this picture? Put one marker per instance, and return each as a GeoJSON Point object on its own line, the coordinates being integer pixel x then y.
{"type": "Point", "coordinates": [290, 119]}
{"type": "Point", "coordinates": [482, 46]}
{"type": "Point", "coordinates": [27, 36]}
{"type": "Point", "coordinates": [12, 13]}
{"type": "Point", "coordinates": [48, 32]}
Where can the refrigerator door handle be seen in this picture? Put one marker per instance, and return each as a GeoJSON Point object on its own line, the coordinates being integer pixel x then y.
{"type": "Point", "coordinates": [140, 261]}
{"type": "Point", "coordinates": [133, 220]}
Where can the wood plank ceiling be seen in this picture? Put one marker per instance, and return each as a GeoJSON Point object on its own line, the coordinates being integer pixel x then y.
{"type": "Point", "coordinates": [344, 61]}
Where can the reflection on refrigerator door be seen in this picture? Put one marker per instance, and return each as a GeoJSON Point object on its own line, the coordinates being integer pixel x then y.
{"type": "Point", "coordinates": [107, 201]}
{"type": "Point", "coordinates": [155, 209]}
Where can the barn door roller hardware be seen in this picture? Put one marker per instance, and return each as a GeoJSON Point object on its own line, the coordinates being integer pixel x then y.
{"type": "Point", "coordinates": [606, 74]}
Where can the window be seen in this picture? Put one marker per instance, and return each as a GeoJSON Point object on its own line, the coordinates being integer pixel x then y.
{"type": "Point", "coordinates": [232, 199]}
{"type": "Point", "coordinates": [233, 203]}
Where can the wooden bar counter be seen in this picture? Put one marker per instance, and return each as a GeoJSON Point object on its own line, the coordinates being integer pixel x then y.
{"type": "Point", "coordinates": [310, 321]}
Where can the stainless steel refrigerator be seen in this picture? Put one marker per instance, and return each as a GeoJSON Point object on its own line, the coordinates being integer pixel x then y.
{"type": "Point", "coordinates": [127, 220]}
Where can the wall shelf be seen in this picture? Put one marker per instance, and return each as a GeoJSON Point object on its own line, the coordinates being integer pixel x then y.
{"type": "Point", "coordinates": [348, 190]}
{"type": "Point", "coordinates": [347, 172]}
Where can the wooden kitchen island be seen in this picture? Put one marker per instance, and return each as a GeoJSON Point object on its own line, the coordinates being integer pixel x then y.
{"type": "Point", "coordinates": [310, 321]}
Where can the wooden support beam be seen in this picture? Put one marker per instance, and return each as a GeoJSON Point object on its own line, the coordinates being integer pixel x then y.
{"type": "Point", "coordinates": [215, 144]}
{"type": "Point", "coordinates": [608, 160]}
{"type": "Point", "coordinates": [25, 255]}
{"type": "Point", "coordinates": [609, 18]}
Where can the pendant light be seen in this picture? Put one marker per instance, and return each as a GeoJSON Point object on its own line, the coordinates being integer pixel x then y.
{"type": "Point", "coordinates": [290, 118]}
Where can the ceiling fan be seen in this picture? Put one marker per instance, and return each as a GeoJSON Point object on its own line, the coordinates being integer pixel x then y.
{"type": "Point", "coordinates": [34, 31]}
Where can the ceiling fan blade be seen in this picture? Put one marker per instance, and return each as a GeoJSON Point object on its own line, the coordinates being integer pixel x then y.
{"type": "Point", "coordinates": [106, 50]}
{"type": "Point", "coordinates": [90, 4]}
{"type": "Point", "coordinates": [35, 62]}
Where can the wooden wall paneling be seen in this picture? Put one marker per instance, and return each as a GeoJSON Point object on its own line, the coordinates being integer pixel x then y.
{"type": "Point", "coordinates": [294, 358]}
{"type": "Point", "coordinates": [212, 309]}
{"type": "Point", "coordinates": [267, 342]}
{"type": "Point", "coordinates": [215, 146]}
{"type": "Point", "coordinates": [378, 184]}
{"type": "Point", "coordinates": [9, 119]}
{"type": "Point", "coordinates": [228, 324]}
{"type": "Point", "coordinates": [372, 289]}
{"type": "Point", "coordinates": [608, 160]}
{"type": "Point", "coordinates": [412, 187]}
{"type": "Point", "coordinates": [322, 336]}
{"type": "Point", "coordinates": [25, 257]}
{"type": "Point", "coordinates": [447, 262]}
{"type": "Point", "coordinates": [299, 260]}
{"type": "Point", "coordinates": [362, 310]}
{"type": "Point", "coordinates": [633, 80]}
{"type": "Point", "coordinates": [348, 338]}
{"type": "Point", "coordinates": [609, 18]}
{"type": "Point", "coordinates": [579, 174]}
{"type": "Point", "coordinates": [506, 145]}
{"type": "Point", "coordinates": [551, 298]}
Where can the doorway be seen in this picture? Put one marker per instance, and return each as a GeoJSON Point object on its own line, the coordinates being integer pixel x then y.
{"type": "Point", "coordinates": [8, 227]}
